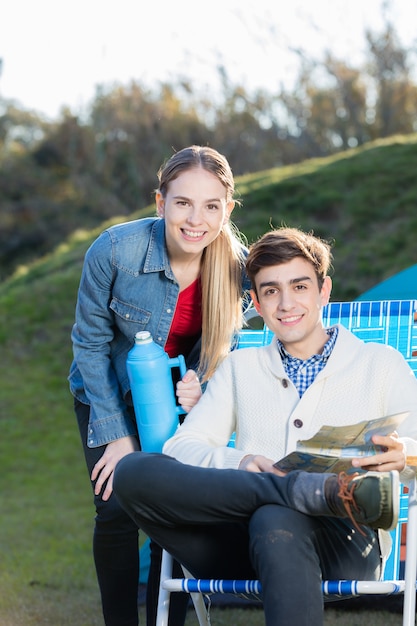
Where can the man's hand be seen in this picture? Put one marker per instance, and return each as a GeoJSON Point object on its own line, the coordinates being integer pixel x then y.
{"type": "Point", "coordinates": [392, 458]}
{"type": "Point", "coordinates": [188, 390]}
{"type": "Point", "coordinates": [104, 468]}
{"type": "Point", "coordinates": [259, 463]}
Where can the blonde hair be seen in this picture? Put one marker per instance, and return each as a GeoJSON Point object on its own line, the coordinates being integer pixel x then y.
{"type": "Point", "coordinates": [222, 261]}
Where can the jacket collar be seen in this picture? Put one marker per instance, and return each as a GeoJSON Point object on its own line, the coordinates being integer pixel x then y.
{"type": "Point", "coordinates": [157, 259]}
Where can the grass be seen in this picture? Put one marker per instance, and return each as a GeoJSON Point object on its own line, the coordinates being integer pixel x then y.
{"type": "Point", "coordinates": [46, 572]}
{"type": "Point", "coordinates": [254, 617]}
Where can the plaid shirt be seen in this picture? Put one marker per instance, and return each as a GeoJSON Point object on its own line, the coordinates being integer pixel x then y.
{"type": "Point", "coordinates": [303, 372]}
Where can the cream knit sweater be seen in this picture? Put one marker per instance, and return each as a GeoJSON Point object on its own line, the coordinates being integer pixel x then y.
{"type": "Point", "coordinates": [251, 395]}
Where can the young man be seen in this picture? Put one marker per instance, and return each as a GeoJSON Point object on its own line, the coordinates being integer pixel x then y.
{"type": "Point", "coordinates": [290, 531]}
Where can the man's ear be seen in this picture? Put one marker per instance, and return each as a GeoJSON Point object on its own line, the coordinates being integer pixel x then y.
{"type": "Point", "coordinates": [255, 302]}
{"type": "Point", "coordinates": [326, 290]}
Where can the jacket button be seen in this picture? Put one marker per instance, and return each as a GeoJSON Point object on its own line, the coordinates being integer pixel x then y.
{"type": "Point", "coordinates": [298, 423]}
{"type": "Point", "coordinates": [284, 383]}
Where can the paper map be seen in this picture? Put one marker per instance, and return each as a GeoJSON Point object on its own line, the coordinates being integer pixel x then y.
{"type": "Point", "coordinates": [333, 447]}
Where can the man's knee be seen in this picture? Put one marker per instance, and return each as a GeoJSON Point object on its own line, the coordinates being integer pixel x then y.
{"type": "Point", "coordinates": [125, 476]}
{"type": "Point", "coordinates": [275, 524]}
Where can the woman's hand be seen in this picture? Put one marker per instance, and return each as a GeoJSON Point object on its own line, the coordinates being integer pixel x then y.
{"type": "Point", "coordinates": [393, 456]}
{"type": "Point", "coordinates": [104, 468]}
{"type": "Point", "coordinates": [259, 463]}
{"type": "Point", "coordinates": [188, 390]}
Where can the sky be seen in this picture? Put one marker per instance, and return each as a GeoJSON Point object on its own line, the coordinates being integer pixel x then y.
{"type": "Point", "coordinates": [56, 53]}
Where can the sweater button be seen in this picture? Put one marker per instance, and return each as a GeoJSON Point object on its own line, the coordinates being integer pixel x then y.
{"type": "Point", "coordinates": [284, 383]}
{"type": "Point", "coordinates": [298, 423]}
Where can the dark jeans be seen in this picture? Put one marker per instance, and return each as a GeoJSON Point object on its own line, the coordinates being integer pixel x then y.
{"type": "Point", "coordinates": [116, 554]}
{"type": "Point", "coordinates": [237, 524]}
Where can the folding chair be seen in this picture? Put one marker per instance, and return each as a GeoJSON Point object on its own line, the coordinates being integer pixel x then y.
{"type": "Point", "coordinates": [390, 322]}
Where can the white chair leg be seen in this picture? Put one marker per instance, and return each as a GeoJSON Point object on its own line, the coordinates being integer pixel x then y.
{"type": "Point", "coordinates": [409, 615]}
{"type": "Point", "coordinates": [202, 612]}
{"type": "Point", "coordinates": [164, 594]}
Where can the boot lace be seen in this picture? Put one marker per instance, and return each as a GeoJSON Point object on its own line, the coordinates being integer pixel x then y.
{"type": "Point", "coordinates": [346, 494]}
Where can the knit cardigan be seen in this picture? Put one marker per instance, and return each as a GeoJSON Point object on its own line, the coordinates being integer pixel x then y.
{"type": "Point", "coordinates": [251, 395]}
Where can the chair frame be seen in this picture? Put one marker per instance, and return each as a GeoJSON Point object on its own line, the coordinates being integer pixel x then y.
{"type": "Point", "coordinates": [390, 322]}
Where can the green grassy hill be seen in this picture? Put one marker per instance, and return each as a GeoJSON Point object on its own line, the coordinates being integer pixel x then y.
{"type": "Point", "coordinates": [365, 199]}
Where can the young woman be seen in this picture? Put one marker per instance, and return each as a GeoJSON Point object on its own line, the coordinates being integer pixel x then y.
{"type": "Point", "coordinates": [181, 276]}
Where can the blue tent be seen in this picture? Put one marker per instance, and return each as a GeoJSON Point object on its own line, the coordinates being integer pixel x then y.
{"type": "Point", "coordinates": [402, 286]}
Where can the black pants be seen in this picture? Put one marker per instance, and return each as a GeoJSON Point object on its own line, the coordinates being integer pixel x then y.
{"type": "Point", "coordinates": [116, 554]}
{"type": "Point", "coordinates": [236, 524]}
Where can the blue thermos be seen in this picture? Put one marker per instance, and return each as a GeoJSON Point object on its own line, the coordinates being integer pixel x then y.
{"type": "Point", "coordinates": [149, 370]}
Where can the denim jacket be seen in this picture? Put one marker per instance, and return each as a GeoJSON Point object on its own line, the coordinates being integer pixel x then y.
{"type": "Point", "coordinates": [126, 286]}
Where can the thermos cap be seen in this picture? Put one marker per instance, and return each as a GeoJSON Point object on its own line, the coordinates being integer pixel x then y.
{"type": "Point", "coordinates": [143, 336]}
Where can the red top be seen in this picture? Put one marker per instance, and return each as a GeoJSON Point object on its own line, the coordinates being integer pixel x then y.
{"type": "Point", "coordinates": [186, 323]}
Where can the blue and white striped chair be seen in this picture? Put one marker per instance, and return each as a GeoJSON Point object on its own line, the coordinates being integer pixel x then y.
{"type": "Point", "coordinates": [390, 322]}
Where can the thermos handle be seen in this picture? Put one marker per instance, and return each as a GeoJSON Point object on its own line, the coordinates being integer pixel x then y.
{"type": "Point", "coordinates": [179, 362]}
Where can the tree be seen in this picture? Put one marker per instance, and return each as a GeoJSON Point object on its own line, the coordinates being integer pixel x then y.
{"type": "Point", "coordinates": [20, 130]}
{"type": "Point", "coordinates": [135, 130]}
{"type": "Point", "coordinates": [393, 95]}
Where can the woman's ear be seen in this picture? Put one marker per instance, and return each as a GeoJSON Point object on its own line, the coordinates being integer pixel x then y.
{"type": "Point", "coordinates": [160, 204]}
{"type": "Point", "coordinates": [229, 208]}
